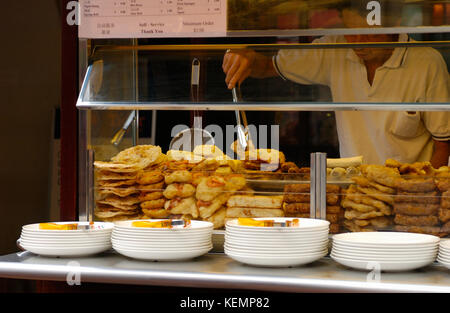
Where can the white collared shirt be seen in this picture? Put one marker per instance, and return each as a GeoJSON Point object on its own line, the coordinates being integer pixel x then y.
{"type": "Point", "coordinates": [410, 75]}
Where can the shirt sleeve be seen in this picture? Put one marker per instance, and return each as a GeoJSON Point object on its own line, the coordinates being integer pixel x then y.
{"type": "Point", "coordinates": [305, 66]}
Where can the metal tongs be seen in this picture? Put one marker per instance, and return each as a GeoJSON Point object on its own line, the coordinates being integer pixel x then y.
{"type": "Point", "coordinates": [191, 137]}
{"type": "Point", "coordinates": [242, 129]}
{"type": "Point", "coordinates": [117, 139]}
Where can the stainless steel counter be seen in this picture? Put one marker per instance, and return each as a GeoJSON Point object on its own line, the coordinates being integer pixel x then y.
{"type": "Point", "coordinates": [219, 271]}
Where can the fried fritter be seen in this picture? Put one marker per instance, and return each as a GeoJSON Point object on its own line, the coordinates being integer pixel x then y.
{"type": "Point", "coordinates": [180, 190]}
{"type": "Point", "coordinates": [423, 220]}
{"type": "Point", "coordinates": [412, 208]}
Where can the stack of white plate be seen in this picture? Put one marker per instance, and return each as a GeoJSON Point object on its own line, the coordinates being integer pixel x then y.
{"type": "Point", "coordinates": [277, 246]}
{"type": "Point", "coordinates": [444, 252]}
{"type": "Point", "coordinates": [66, 243]}
{"type": "Point", "coordinates": [384, 251]}
{"type": "Point", "coordinates": [162, 244]}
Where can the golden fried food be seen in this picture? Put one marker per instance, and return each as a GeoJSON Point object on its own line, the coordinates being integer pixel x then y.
{"type": "Point", "coordinates": [208, 151]}
{"type": "Point", "coordinates": [416, 184]}
{"type": "Point", "coordinates": [120, 167]}
{"type": "Point", "coordinates": [137, 154]}
{"type": "Point", "coordinates": [364, 182]}
{"type": "Point", "coordinates": [380, 222]}
{"type": "Point", "coordinates": [443, 184]}
{"type": "Point", "coordinates": [354, 214]}
{"type": "Point", "coordinates": [273, 202]}
{"type": "Point", "coordinates": [237, 166]}
{"type": "Point", "coordinates": [179, 190]}
{"type": "Point", "coordinates": [210, 188]}
{"type": "Point", "coordinates": [119, 191]}
{"type": "Point", "coordinates": [253, 212]}
{"type": "Point", "coordinates": [208, 165]}
{"type": "Point", "coordinates": [181, 176]}
{"type": "Point", "coordinates": [423, 220]}
{"type": "Point", "coordinates": [356, 228]}
{"type": "Point", "coordinates": [147, 196]}
{"type": "Point", "coordinates": [152, 187]}
{"type": "Point", "coordinates": [153, 204]}
{"type": "Point", "coordinates": [218, 218]}
{"type": "Point", "coordinates": [412, 208]}
{"type": "Point", "coordinates": [392, 163]}
{"type": "Point", "coordinates": [431, 230]}
{"type": "Point", "coordinates": [301, 215]}
{"type": "Point", "coordinates": [197, 177]}
{"type": "Point", "coordinates": [116, 200]}
{"type": "Point", "coordinates": [150, 177]}
{"type": "Point", "coordinates": [223, 170]}
{"type": "Point", "coordinates": [174, 156]}
{"type": "Point", "coordinates": [120, 217]}
{"type": "Point", "coordinates": [365, 207]}
{"type": "Point", "coordinates": [155, 213]}
{"type": "Point", "coordinates": [417, 168]}
{"type": "Point", "coordinates": [234, 182]}
{"type": "Point", "coordinates": [376, 194]}
{"type": "Point", "coordinates": [116, 206]}
{"type": "Point", "coordinates": [108, 175]}
{"type": "Point", "coordinates": [445, 229]}
{"type": "Point", "coordinates": [115, 183]}
{"type": "Point", "coordinates": [444, 215]}
{"type": "Point", "coordinates": [445, 200]}
{"type": "Point", "coordinates": [334, 209]}
{"type": "Point", "coordinates": [355, 197]}
{"type": "Point", "coordinates": [383, 175]}
{"type": "Point", "coordinates": [334, 228]}
{"type": "Point", "coordinates": [182, 206]}
{"type": "Point", "coordinates": [417, 197]}
{"type": "Point", "coordinates": [296, 207]}
{"type": "Point", "coordinates": [208, 208]}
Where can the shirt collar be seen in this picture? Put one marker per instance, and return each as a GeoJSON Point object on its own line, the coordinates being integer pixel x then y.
{"type": "Point", "coordinates": [394, 61]}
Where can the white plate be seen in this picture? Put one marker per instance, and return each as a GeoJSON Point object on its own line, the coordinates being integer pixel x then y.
{"type": "Point", "coordinates": [63, 245]}
{"type": "Point", "coordinates": [159, 246]}
{"type": "Point", "coordinates": [271, 253]}
{"type": "Point", "coordinates": [306, 225]}
{"type": "Point", "coordinates": [63, 241]}
{"type": "Point", "coordinates": [98, 228]}
{"type": "Point", "coordinates": [444, 262]}
{"type": "Point", "coordinates": [445, 244]}
{"type": "Point", "coordinates": [171, 236]}
{"type": "Point", "coordinates": [385, 239]}
{"type": "Point", "coordinates": [67, 252]}
{"type": "Point", "coordinates": [161, 256]}
{"type": "Point", "coordinates": [284, 245]}
{"type": "Point", "coordinates": [383, 266]}
{"type": "Point", "coordinates": [387, 253]}
{"type": "Point", "coordinates": [162, 242]}
{"type": "Point", "coordinates": [277, 261]}
{"type": "Point", "coordinates": [383, 258]}
{"type": "Point", "coordinates": [276, 233]}
{"type": "Point", "coordinates": [195, 226]}
{"type": "Point", "coordinates": [444, 255]}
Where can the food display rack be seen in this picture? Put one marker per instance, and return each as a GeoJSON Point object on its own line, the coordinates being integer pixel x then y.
{"type": "Point", "coordinates": [216, 270]}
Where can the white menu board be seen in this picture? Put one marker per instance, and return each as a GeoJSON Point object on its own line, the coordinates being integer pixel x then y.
{"type": "Point", "coordinates": [152, 18]}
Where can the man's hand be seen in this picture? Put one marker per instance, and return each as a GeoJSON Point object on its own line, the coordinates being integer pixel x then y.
{"type": "Point", "coordinates": [240, 64]}
{"type": "Point", "coordinates": [441, 152]}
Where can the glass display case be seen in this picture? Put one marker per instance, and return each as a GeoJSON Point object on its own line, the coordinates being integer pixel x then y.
{"type": "Point", "coordinates": [345, 125]}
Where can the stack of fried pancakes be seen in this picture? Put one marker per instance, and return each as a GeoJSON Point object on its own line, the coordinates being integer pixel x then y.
{"type": "Point", "coordinates": [116, 182]}
{"type": "Point", "coordinates": [296, 203]}
{"type": "Point", "coordinates": [368, 202]}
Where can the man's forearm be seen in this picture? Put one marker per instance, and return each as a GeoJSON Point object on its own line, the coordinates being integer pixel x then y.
{"type": "Point", "coordinates": [263, 67]}
{"type": "Point", "coordinates": [441, 153]}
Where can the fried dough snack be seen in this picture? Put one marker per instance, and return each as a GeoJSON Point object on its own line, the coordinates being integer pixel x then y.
{"type": "Point", "coordinates": [431, 230]}
{"type": "Point", "coordinates": [425, 197]}
{"type": "Point", "coordinates": [353, 214]}
{"type": "Point", "coordinates": [445, 200]}
{"type": "Point", "coordinates": [182, 206]}
{"type": "Point", "coordinates": [406, 220]}
{"type": "Point", "coordinates": [119, 191]}
{"type": "Point", "coordinates": [383, 175]}
{"type": "Point", "coordinates": [181, 176]}
{"type": "Point", "coordinates": [180, 190]}
{"type": "Point", "coordinates": [150, 196]}
{"type": "Point", "coordinates": [208, 208]}
{"type": "Point", "coordinates": [153, 204]}
{"type": "Point", "coordinates": [416, 184]}
{"type": "Point", "coordinates": [375, 193]}
{"type": "Point", "coordinates": [444, 215]}
{"type": "Point", "coordinates": [210, 188]}
{"type": "Point", "coordinates": [352, 196]}
{"type": "Point", "coordinates": [366, 208]}
{"type": "Point", "coordinates": [148, 178]}
{"type": "Point", "coordinates": [364, 182]}
{"type": "Point", "coordinates": [415, 208]}
{"type": "Point", "coordinates": [155, 213]}
{"type": "Point", "coordinates": [218, 218]}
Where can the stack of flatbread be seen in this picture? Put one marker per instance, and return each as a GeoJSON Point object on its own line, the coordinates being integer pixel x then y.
{"type": "Point", "coordinates": [254, 206]}
{"type": "Point", "coordinates": [116, 187]}
{"type": "Point", "coordinates": [368, 203]}
{"type": "Point", "coordinates": [296, 203]}
{"type": "Point", "coordinates": [417, 202]}
{"type": "Point", "coordinates": [442, 179]}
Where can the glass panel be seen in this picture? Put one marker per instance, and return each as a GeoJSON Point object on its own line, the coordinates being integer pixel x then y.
{"type": "Point", "coordinates": [337, 70]}
{"type": "Point", "coordinates": [317, 14]}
